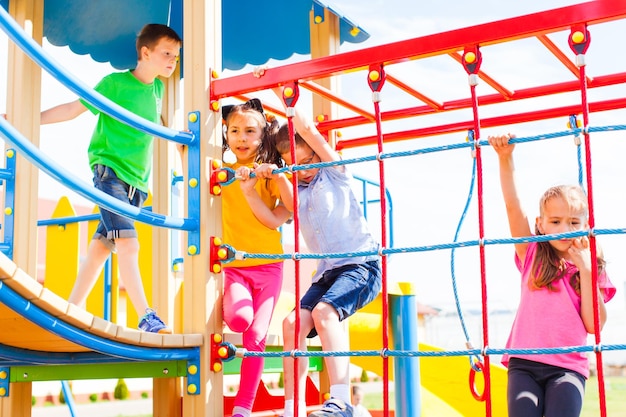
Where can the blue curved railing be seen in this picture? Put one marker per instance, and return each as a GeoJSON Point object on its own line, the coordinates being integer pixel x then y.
{"type": "Point", "coordinates": [48, 63]}
{"type": "Point", "coordinates": [115, 350]}
{"type": "Point", "coordinates": [57, 172]}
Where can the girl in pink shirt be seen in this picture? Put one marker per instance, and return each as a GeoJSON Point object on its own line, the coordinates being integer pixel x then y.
{"type": "Point", "coordinates": [556, 302]}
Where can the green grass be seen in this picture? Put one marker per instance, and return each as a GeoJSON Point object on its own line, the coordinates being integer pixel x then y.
{"type": "Point", "coordinates": [615, 393]}
{"type": "Point", "coordinates": [615, 389]}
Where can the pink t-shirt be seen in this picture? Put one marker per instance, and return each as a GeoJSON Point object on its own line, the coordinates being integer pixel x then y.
{"type": "Point", "coordinates": [550, 319]}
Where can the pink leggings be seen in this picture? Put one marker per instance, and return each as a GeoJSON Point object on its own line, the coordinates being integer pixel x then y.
{"type": "Point", "coordinates": [250, 295]}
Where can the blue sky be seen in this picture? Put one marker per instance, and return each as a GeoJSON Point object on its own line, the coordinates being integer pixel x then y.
{"type": "Point", "coordinates": [429, 192]}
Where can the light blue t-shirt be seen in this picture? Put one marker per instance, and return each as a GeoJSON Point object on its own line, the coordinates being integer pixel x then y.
{"type": "Point", "coordinates": [331, 220]}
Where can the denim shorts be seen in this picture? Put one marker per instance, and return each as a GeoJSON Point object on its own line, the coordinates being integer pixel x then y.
{"type": "Point", "coordinates": [111, 225]}
{"type": "Point", "coordinates": [347, 288]}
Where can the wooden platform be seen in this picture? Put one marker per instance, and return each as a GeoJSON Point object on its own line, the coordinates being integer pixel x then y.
{"type": "Point", "coordinates": [19, 332]}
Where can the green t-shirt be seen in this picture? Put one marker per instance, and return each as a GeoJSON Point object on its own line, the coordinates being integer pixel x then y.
{"type": "Point", "coordinates": [122, 148]}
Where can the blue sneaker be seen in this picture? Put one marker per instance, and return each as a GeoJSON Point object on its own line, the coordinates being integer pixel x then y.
{"type": "Point", "coordinates": [150, 322]}
{"type": "Point", "coordinates": [334, 408]}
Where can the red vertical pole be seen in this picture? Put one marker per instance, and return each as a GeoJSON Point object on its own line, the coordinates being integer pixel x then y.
{"type": "Point", "coordinates": [579, 40]}
{"type": "Point", "coordinates": [376, 79]}
{"type": "Point", "coordinates": [471, 60]}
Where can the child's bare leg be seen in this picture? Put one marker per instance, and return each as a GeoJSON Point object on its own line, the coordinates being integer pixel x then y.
{"type": "Point", "coordinates": [333, 338]}
{"type": "Point", "coordinates": [306, 324]}
{"type": "Point", "coordinates": [128, 264]}
{"type": "Point", "coordinates": [90, 268]}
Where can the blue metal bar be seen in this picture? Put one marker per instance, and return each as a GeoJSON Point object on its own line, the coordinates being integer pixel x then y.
{"type": "Point", "coordinates": [68, 332]}
{"type": "Point", "coordinates": [6, 174]}
{"type": "Point", "coordinates": [75, 219]}
{"type": "Point", "coordinates": [48, 63]}
{"type": "Point", "coordinates": [12, 356]}
{"type": "Point", "coordinates": [54, 170]}
{"type": "Point", "coordinates": [364, 193]}
{"type": "Point", "coordinates": [389, 204]}
{"type": "Point", "coordinates": [69, 398]}
{"type": "Point", "coordinates": [6, 249]}
{"type": "Point", "coordinates": [9, 203]}
{"type": "Point", "coordinates": [108, 288]}
{"type": "Point", "coordinates": [67, 220]}
{"type": "Point", "coordinates": [403, 318]}
{"type": "Point", "coordinates": [193, 183]}
{"type": "Point", "coordinates": [175, 235]}
{"type": "Point", "coordinates": [5, 373]}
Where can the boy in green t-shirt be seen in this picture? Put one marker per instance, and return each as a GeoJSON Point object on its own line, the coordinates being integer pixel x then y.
{"type": "Point", "coordinates": [121, 159]}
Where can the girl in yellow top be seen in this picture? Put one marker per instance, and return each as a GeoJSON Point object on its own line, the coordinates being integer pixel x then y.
{"type": "Point", "coordinates": [252, 211]}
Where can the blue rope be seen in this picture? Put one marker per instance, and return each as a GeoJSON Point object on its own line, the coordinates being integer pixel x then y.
{"type": "Point", "coordinates": [573, 123]}
{"type": "Point", "coordinates": [390, 251]}
{"type": "Point", "coordinates": [427, 248]}
{"type": "Point", "coordinates": [431, 353]}
{"type": "Point", "coordinates": [452, 258]}
{"type": "Point", "coordinates": [462, 145]}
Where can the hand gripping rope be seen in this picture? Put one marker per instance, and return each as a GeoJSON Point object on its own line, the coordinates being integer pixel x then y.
{"type": "Point", "coordinates": [221, 176]}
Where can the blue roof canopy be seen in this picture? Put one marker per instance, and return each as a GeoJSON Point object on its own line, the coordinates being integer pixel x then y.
{"type": "Point", "coordinates": [253, 31]}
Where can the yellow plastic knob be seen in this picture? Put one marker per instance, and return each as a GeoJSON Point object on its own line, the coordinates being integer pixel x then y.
{"type": "Point", "coordinates": [578, 37]}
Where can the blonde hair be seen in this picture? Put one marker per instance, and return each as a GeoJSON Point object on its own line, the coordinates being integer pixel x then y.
{"type": "Point", "coordinates": [547, 266]}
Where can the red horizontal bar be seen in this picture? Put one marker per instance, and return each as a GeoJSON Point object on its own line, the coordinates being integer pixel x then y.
{"type": "Point", "coordinates": [484, 123]}
{"type": "Point", "coordinates": [560, 55]}
{"type": "Point", "coordinates": [506, 93]}
{"type": "Point", "coordinates": [409, 90]}
{"type": "Point", "coordinates": [527, 93]}
{"type": "Point", "coordinates": [431, 45]}
{"type": "Point", "coordinates": [326, 93]}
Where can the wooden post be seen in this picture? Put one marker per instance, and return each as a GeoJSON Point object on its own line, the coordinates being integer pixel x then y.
{"type": "Point", "coordinates": [325, 41]}
{"type": "Point", "coordinates": [202, 289]}
{"type": "Point", "coordinates": [167, 398]}
{"type": "Point", "coordinates": [23, 104]}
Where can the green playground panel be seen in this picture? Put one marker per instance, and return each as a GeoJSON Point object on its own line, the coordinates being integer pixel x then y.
{"type": "Point", "coordinates": [275, 364]}
{"type": "Point", "coordinates": [168, 369]}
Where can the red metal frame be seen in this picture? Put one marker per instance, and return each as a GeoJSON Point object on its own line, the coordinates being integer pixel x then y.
{"type": "Point", "coordinates": [458, 44]}
{"type": "Point", "coordinates": [536, 25]}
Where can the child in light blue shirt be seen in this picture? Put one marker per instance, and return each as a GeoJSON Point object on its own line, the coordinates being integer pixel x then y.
{"type": "Point", "coordinates": [331, 221]}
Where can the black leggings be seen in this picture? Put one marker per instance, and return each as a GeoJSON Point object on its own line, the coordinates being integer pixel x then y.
{"type": "Point", "coordinates": [539, 390]}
